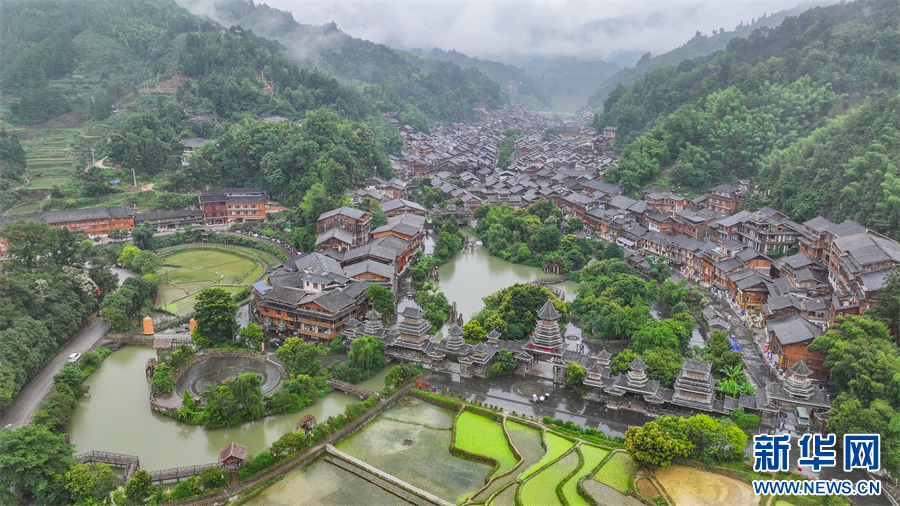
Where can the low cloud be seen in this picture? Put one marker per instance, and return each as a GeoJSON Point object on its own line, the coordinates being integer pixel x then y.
{"type": "Point", "coordinates": [502, 30]}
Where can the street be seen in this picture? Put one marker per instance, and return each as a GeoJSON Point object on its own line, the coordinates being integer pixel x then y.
{"type": "Point", "coordinates": [27, 401]}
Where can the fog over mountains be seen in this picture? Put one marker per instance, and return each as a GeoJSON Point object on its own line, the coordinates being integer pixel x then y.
{"type": "Point", "coordinates": [503, 31]}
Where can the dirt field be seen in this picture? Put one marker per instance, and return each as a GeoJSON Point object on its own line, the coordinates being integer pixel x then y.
{"type": "Point", "coordinates": [690, 487]}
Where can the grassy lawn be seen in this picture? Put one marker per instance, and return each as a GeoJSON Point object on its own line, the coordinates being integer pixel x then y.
{"type": "Point", "coordinates": [618, 471]}
{"type": "Point", "coordinates": [479, 435]}
{"type": "Point", "coordinates": [186, 305]}
{"type": "Point", "coordinates": [233, 272]}
{"type": "Point", "coordinates": [183, 275]}
{"type": "Point", "coordinates": [47, 182]}
{"type": "Point", "coordinates": [592, 457]}
{"type": "Point", "coordinates": [556, 446]}
{"type": "Point", "coordinates": [253, 276]}
{"type": "Point", "coordinates": [202, 258]}
{"type": "Point", "coordinates": [541, 489]}
{"type": "Point", "coordinates": [32, 206]}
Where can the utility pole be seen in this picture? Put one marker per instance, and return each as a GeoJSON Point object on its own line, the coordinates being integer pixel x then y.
{"type": "Point", "coordinates": [93, 160]}
{"type": "Point", "coordinates": [134, 176]}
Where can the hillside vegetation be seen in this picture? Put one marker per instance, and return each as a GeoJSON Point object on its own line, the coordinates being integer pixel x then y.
{"type": "Point", "coordinates": [713, 119]}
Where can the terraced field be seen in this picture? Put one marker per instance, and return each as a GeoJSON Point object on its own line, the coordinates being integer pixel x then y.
{"type": "Point", "coordinates": [477, 434]}
{"type": "Point", "coordinates": [188, 272]}
{"type": "Point", "coordinates": [618, 471]}
{"type": "Point", "coordinates": [528, 442]}
{"type": "Point", "coordinates": [556, 446]}
{"type": "Point", "coordinates": [50, 151]}
{"type": "Point", "coordinates": [541, 488]}
{"type": "Point", "coordinates": [592, 457]}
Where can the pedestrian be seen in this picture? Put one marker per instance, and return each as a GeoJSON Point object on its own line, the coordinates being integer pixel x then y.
{"type": "Point", "coordinates": [534, 398]}
{"type": "Point", "coordinates": [629, 405]}
{"type": "Point", "coordinates": [542, 399]}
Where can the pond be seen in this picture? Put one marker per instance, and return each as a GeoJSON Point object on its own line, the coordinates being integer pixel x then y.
{"type": "Point", "coordinates": [116, 417]}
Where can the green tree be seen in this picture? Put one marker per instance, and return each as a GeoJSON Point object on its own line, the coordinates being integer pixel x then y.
{"type": "Point", "coordinates": [214, 312]}
{"type": "Point", "coordinates": [117, 319]}
{"type": "Point", "coordinates": [128, 254]}
{"type": "Point", "coordinates": [143, 235]}
{"type": "Point", "coordinates": [575, 375]}
{"type": "Point", "coordinates": [473, 333]}
{"type": "Point", "coordinates": [187, 488]}
{"type": "Point", "coordinates": [28, 241]}
{"type": "Point", "coordinates": [90, 481]}
{"type": "Point", "coordinates": [379, 219]}
{"type": "Point", "coordinates": [620, 363]}
{"type": "Point", "coordinates": [574, 224]}
{"type": "Point", "coordinates": [146, 262]}
{"type": "Point", "coordinates": [298, 357]}
{"type": "Point", "coordinates": [652, 446]}
{"type": "Point", "coordinates": [31, 456]}
{"type": "Point", "coordinates": [663, 365]}
{"type": "Point", "coordinates": [366, 353]}
{"type": "Point", "coordinates": [252, 334]}
{"type": "Point", "coordinates": [213, 477]}
{"type": "Point", "coordinates": [612, 250]}
{"type": "Point", "coordinates": [850, 416]}
{"type": "Point", "coordinates": [382, 300]}
{"type": "Point", "coordinates": [545, 240]}
{"type": "Point", "coordinates": [506, 360]}
{"type": "Point", "coordinates": [162, 379]}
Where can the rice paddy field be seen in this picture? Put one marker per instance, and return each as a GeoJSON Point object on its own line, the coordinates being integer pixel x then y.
{"type": "Point", "coordinates": [321, 483]}
{"type": "Point", "coordinates": [505, 498]}
{"type": "Point", "coordinates": [593, 455]}
{"type": "Point", "coordinates": [479, 435]}
{"type": "Point", "coordinates": [604, 494]}
{"type": "Point", "coordinates": [528, 442]}
{"type": "Point", "coordinates": [556, 446]}
{"type": "Point", "coordinates": [412, 442]}
{"type": "Point", "coordinates": [188, 272]}
{"type": "Point", "coordinates": [618, 471]}
{"type": "Point", "coordinates": [541, 488]}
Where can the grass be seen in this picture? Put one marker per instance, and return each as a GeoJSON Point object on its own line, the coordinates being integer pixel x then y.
{"type": "Point", "coordinates": [593, 455]}
{"type": "Point", "coordinates": [618, 471]}
{"type": "Point", "coordinates": [528, 442]}
{"type": "Point", "coordinates": [31, 206]}
{"type": "Point", "coordinates": [202, 258]}
{"type": "Point", "coordinates": [183, 275]}
{"type": "Point", "coordinates": [233, 272]}
{"type": "Point", "coordinates": [186, 305]}
{"type": "Point", "coordinates": [47, 182]}
{"type": "Point", "coordinates": [253, 276]}
{"type": "Point", "coordinates": [477, 434]}
{"type": "Point", "coordinates": [556, 446]}
{"type": "Point", "coordinates": [541, 488]}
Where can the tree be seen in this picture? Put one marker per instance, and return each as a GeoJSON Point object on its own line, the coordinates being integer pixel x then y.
{"type": "Point", "coordinates": [116, 319]}
{"type": "Point", "coordinates": [650, 445]}
{"type": "Point", "coordinates": [382, 300]}
{"type": "Point", "coordinates": [613, 250]}
{"type": "Point", "coordinates": [252, 334]}
{"type": "Point", "coordinates": [31, 456]}
{"type": "Point", "coordinates": [146, 262]}
{"type": "Point", "coordinates": [506, 360]}
{"type": "Point", "coordinates": [575, 375]}
{"type": "Point", "coordinates": [850, 416]}
{"type": "Point", "coordinates": [28, 240]}
{"type": "Point", "coordinates": [143, 235]}
{"type": "Point", "coordinates": [663, 364]}
{"type": "Point", "coordinates": [574, 224]}
{"type": "Point", "coordinates": [213, 477]}
{"type": "Point", "coordinates": [545, 239]}
{"type": "Point", "coordinates": [366, 353]}
{"type": "Point", "coordinates": [187, 488]}
{"type": "Point", "coordinates": [473, 333]}
{"type": "Point", "coordinates": [215, 315]}
{"type": "Point", "coordinates": [298, 357]}
{"type": "Point", "coordinates": [127, 256]}
{"type": "Point", "coordinates": [90, 481]}
{"type": "Point", "coordinates": [620, 363]}
{"type": "Point", "coordinates": [379, 219]}
{"type": "Point", "coordinates": [139, 487]}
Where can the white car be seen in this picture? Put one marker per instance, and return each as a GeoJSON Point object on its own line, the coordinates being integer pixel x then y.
{"type": "Point", "coordinates": [75, 357]}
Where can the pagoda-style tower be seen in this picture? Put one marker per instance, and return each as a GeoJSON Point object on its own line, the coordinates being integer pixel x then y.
{"type": "Point", "coordinates": [351, 331]}
{"type": "Point", "coordinates": [798, 385]}
{"type": "Point", "coordinates": [636, 377]}
{"type": "Point", "coordinates": [695, 386]}
{"type": "Point", "coordinates": [373, 326]}
{"type": "Point", "coordinates": [493, 337]}
{"type": "Point", "coordinates": [454, 344]}
{"type": "Point", "coordinates": [414, 326]}
{"type": "Point", "coordinates": [547, 338]}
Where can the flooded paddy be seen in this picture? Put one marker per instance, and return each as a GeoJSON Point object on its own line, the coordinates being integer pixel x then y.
{"type": "Point", "coordinates": [692, 487]}
{"type": "Point", "coordinates": [411, 441]}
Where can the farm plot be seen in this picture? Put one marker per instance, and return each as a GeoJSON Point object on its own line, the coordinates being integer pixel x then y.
{"type": "Point", "coordinates": [556, 446]}
{"type": "Point", "coordinates": [186, 305]}
{"type": "Point", "coordinates": [43, 183]}
{"type": "Point", "coordinates": [182, 275]}
{"type": "Point", "coordinates": [505, 498]}
{"type": "Point", "coordinates": [416, 454]}
{"type": "Point", "coordinates": [592, 457]}
{"type": "Point", "coordinates": [604, 494]}
{"type": "Point", "coordinates": [541, 488]}
{"type": "Point", "coordinates": [477, 434]}
{"type": "Point", "coordinates": [618, 471]}
{"type": "Point", "coordinates": [528, 442]}
{"type": "Point", "coordinates": [194, 270]}
{"type": "Point", "coordinates": [204, 259]}
{"type": "Point", "coordinates": [692, 487]}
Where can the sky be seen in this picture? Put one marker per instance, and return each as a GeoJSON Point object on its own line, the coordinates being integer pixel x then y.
{"type": "Point", "coordinates": [501, 30]}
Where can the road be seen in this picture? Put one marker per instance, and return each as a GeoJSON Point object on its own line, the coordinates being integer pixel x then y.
{"type": "Point", "coordinates": [26, 402]}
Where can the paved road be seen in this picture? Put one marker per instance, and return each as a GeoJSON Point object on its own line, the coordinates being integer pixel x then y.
{"type": "Point", "coordinates": [26, 403]}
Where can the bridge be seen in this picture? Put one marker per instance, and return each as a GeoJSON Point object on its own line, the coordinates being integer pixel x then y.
{"type": "Point", "coordinates": [177, 473]}
{"type": "Point", "coordinates": [550, 281]}
{"type": "Point", "coordinates": [130, 462]}
{"type": "Point", "coordinates": [351, 389]}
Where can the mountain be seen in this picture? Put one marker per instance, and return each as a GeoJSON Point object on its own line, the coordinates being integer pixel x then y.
{"type": "Point", "coordinates": [699, 45]}
{"type": "Point", "coordinates": [569, 80]}
{"type": "Point", "coordinates": [420, 89]}
{"type": "Point", "coordinates": [713, 119]}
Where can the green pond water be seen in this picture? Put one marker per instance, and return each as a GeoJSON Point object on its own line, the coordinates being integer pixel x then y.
{"type": "Point", "coordinates": [116, 417]}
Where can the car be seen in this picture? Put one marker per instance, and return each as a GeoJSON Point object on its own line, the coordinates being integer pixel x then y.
{"type": "Point", "coordinates": [75, 357]}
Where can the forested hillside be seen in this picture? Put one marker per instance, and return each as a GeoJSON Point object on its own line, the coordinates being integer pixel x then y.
{"type": "Point", "coordinates": [846, 170]}
{"type": "Point", "coordinates": [713, 119]}
{"type": "Point", "coordinates": [421, 90]}
{"type": "Point", "coordinates": [700, 45]}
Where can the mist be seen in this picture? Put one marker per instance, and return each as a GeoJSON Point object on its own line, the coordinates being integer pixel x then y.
{"type": "Point", "coordinates": [502, 30]}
